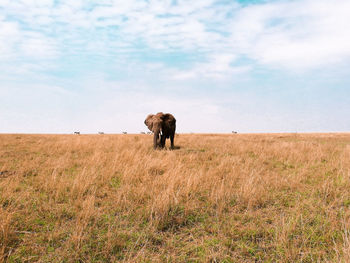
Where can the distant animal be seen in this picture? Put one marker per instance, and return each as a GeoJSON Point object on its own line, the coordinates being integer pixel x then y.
{"type": "Point", "coordinates": [163, 127]}
{"type": "Point", "coordinates": [142, 133]}
{"type": "Point", "coordinates": [234, 132]}
{"type": "Point", "coordinates": [101, 133]}
{"type": "Point", "coordinates": [125, 133]}
{"type": "Point", "coordinates": [76, 132]}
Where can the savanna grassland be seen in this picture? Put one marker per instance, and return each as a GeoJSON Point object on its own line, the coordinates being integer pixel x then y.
{"type": "Point", "coordinates": [217, 198]}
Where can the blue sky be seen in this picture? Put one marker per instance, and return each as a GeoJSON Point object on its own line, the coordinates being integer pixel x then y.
{"type": "Point", "coordinates": [218, 66]}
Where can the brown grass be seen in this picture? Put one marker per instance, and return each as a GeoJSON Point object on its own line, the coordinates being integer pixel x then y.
{"type": "Point", "coordinates": [218, 198]}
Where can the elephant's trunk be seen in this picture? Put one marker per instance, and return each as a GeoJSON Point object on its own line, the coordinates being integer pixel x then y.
{"type": "Point", "coordinates": [156, 138]}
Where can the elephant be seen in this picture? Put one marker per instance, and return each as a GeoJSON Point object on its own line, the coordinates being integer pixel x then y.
{"type": "Point", "coordinates": [163, 126]}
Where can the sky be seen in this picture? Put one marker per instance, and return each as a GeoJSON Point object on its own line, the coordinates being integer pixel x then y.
{"type": "Point", "coordinates": [216, 65]}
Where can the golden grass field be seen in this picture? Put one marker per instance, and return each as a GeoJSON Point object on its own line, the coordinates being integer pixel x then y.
{"type": "Point", "coordinates": [217, 198]}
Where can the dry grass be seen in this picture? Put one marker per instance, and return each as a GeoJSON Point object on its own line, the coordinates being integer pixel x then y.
{"type": "Point", "coordinates": [219, 198]}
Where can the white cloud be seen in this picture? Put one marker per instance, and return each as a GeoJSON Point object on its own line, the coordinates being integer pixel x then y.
{"type": "Point", "coordinates": [297, 35]}
{"type": "Point", "coordinates": [38, 46]}
{"type": "Point", "coordinates": [218, 66]}
{"type": "Point", "coordinates": [37, 3]}
{"type": "Point", "coordinates": [290, 34]}
{"type": "Point", "coordinates": [9, 35]}
{"type": "Point", "coordinates": [22, 44]}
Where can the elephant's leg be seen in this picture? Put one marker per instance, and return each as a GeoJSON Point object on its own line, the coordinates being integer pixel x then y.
{"type": "Point", "coordinates": [172, 141]}
{"type": "Point", "coordinates": [162, 142]}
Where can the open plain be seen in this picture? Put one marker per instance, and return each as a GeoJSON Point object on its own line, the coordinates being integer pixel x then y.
{"type": "Point", "coordinates": [216, 198]}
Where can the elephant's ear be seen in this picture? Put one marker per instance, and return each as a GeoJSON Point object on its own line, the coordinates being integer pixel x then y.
{"type": "Point", "coordinates": [149, 122]}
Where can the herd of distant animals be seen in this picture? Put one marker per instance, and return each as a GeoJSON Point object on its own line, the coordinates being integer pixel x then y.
{"type": "Point", "coordinates": [162, 125]}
